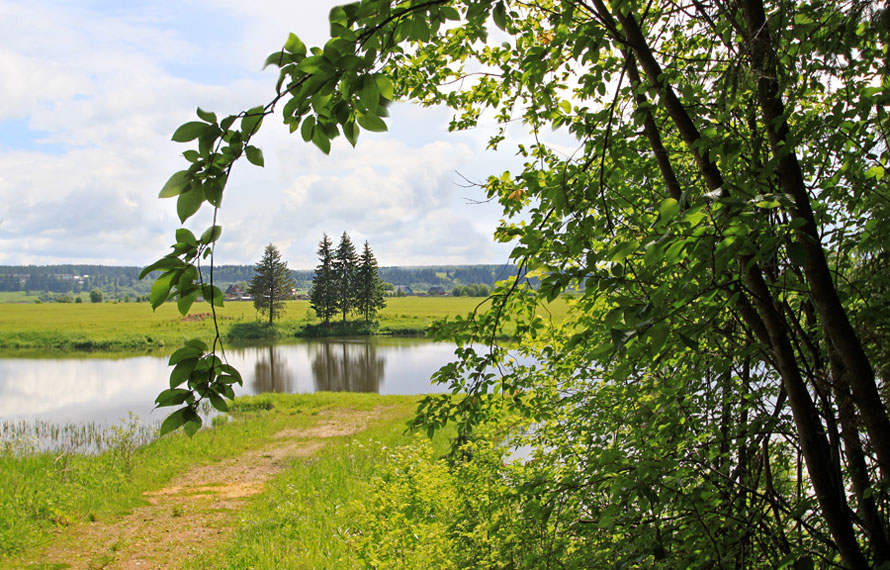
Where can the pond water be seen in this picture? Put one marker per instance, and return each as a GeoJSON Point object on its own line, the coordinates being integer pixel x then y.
{"type": "Point", "coordinates": [72, 389]}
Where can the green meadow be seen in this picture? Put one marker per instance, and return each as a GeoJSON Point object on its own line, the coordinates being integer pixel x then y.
{"type": "Point", "coordinates": [127, 327]}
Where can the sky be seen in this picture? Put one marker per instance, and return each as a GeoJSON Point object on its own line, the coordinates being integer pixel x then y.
{"type": "Point", "coordinates": [91, 92]}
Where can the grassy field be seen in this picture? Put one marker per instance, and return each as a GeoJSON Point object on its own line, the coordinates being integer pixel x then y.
{"type": "Point", "coordinates": [17, 297]}
{"type": "Point", "coordinates": [134, 327]}
{"type": "Point", "coordinates": [44, 493]}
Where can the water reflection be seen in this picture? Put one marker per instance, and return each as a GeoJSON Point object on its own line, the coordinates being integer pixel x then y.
{"type": "Point", "coordinates": [339, 366]}
{"type": "Point", "coordinates": [75, 388]}
{"type": "Point", "coordinates": [271, 372]}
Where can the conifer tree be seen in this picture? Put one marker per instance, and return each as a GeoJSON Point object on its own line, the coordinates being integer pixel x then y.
{"type": "Point", "coordinates": [272, 284]}
{"type": "Point", "coordinates": [345, 268]}
{"type": "Point", "coordinates": [369, 286]}
{"type": "Point", "coordinates": [323, 294]}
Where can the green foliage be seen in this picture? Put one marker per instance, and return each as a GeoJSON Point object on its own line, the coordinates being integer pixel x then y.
{"type": "Point", "coordinates": [474, 290]}
{"type": "Point", "coordinates": [368, 285]}
{"type": "Point", "coordinates": [95, 296]}
{"type": "Point", "coordinates": [323, 294]}
{"type": "Point", "coordinates": [345, 275]}
{"type": "Point", "coordinates": [345, 282]}
{"type": "Point", "coordinates": [271, 284]}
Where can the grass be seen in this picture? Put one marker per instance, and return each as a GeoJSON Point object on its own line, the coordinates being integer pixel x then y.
{"type": "Point", "coordinates": [129, 327]}
{"type": "Point", "coordinates": [303, 519]}
{"type": "Point", "coordinates": [17, 297]}
{"type": "Point", "coordinates": [45, 491]}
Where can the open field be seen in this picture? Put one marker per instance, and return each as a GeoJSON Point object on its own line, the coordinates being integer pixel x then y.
{"type": "Point", "coordinates": [134, 327]}
{"type": "Point", "coordinates": [179, 501]}
{"type": "Point", "coordinates": [17, 297]}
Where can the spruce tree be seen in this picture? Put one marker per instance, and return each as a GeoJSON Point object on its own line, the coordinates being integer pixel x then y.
{"type": "Point", "coordinates": [323, 294]}
{"type": "Point", "coordinates": [369, 286]}
{"type": "Point", "coordinates": [271, 284]}
{"type": "Point", "coordinates": [345, 268]}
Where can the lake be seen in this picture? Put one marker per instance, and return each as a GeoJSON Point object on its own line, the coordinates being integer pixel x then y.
{"type": "Point", "coordinates": [91, 388]}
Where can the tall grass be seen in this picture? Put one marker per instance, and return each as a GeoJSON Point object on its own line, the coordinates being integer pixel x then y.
{"type": "Point", "coordinates": [29, 437]}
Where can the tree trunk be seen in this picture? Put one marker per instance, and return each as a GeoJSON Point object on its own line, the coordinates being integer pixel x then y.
{"type": "Point", "coordinates": [764, 319]}
{"type": "Point", "coordinates": [839, 331]}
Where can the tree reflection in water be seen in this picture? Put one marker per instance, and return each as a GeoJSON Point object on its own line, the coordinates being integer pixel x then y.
{"type": "Point", "coordinates": [271, 372]}
{"type": "Point", "coordinates": [347, 366]}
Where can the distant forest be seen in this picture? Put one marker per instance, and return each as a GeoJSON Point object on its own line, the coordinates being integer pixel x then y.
{"type": "Point", "coordinates": [122, 283]}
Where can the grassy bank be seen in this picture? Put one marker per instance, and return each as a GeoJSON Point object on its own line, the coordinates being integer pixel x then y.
{"type": "Point", "coordinates": [111, 327]}
{"type": "Point", "coordinates": [304, 519]}
{"type": "Point", "coordinates": [43, 493]}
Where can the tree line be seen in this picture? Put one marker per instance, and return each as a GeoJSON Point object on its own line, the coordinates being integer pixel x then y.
{"type": "Point", "coordinates": [118, 281]}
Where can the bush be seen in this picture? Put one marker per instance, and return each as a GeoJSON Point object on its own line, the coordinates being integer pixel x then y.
{"type": "Point", "coordinates": [474, 510]}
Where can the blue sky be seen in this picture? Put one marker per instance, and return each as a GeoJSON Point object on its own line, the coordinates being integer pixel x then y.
{"type": "Point", "coordinates": [90, 93]}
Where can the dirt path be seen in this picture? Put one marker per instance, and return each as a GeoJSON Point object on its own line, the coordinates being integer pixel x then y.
{"type": "Point", "coordinates": [197, 509]}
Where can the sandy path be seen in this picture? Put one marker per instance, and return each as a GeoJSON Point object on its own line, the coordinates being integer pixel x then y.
{"type": "Point", "coordinates": [197, 509]}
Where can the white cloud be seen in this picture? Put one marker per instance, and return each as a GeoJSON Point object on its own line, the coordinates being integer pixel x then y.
{"type": "Point", "coordinates": [105, 84]}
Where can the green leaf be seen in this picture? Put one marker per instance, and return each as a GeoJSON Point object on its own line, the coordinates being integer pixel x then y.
{"type": "Point", "coordinates": [371, 122]}
{"type": "Point", "coordinates": [254, 155]}
{"type": "Point", "coordinates": [658, 334]}
{"type": "Point", "coordinates": [189, 202]}
{"type": "Point", "coordinates": [278, 59]}
{"type": "Point", "coordinates": [160, 289]}
{"type": "Point", "coordinates": [218, 403]}
{"type": "Point", "coordinates": [321, 140]}
{"type": "Point", "coordinates": [189, 131]}
{"type": "Point", "coordinates": [182, 371]}
{"type": "Point", "coordinates": [307, 129]}
{"type": "Point", "coordinates": [213, 191]}
{"type": "Point", "coordinates": [185, 302]}
{"type": "Point", "coordinates": [310, 65]}
{"type": "Point", "coordinates": [668, 209]}
{"type": "Point", "coordinates": [192, 425]}
{"type": "Point", "coordinates": [876, 172]}
{"type": "Point", "coordinates": [252, 120]}
{"type": "Point", "coordinates": [499, 15]}
{"type": "Point", "coordinates": [174, 421]}
{"type": "Point", "coordinates": [211, 234]}
{"type": "Point", "coordinates": [213, 295]}
{"type": "Point", "coordinates": [370, 93]}
{"type": "Point", "coordinates": [188, 351]}
{"type": "Point", "coordinates": [384, 86]}
{"type": "Point", "coordinates": [207, 116]}
{"type": "Point", "coordinates": [163, 263]}
{"type": "Point", "coordinates": [184, 235]}
{"type": "Point", "coordinates": [227, 122]}
{"type": "Point", "coordinates": [228, 369]}
{"type": "Point", "coordinates": [623, 250]}
{"type": "Point", "coordinates": [351, 130]}
{"type": "Point", "coordinates": [172, 397]}
{"type": "Point", "coordinates": [294, 45]}
{"type": "Point", "coordinates": [175, 184]}
{"type": "Point", "coordinates": [198, 343]}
